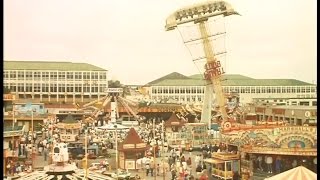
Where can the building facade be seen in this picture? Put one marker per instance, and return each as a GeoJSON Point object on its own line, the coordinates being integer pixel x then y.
{"type": "Point", "coordinates": [292, 115]}
{"type": "Point", "coordinates": [55, 81]}
{"type": "Point", "coordinates": [184, 89]}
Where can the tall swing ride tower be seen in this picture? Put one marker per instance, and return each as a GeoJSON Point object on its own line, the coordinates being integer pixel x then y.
{"type": "Point", "coordinates": [199, 16]}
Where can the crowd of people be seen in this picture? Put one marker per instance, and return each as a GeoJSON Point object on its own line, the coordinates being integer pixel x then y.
{"type": "Point", "coordinates": [181, 165]}
{"type": "Point", "coordinates": [31, 144]}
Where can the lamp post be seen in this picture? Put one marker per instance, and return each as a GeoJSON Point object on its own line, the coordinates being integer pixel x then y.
{"type": "Point", "coordinates": [86, 152]}
{"type": "Point", "coordinates": [115, 126]}
{"type": "Point", "coordinates": [153, 144]}
{"type": "Point", "coordinates": [32, 134]}
{"type": "Point", "coordinates": [32, 121]}
{"type": "Point", "coordinates": [162, 151]}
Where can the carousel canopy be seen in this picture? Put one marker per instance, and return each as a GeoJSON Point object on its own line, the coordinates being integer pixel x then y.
{"type": "Point", "coordinates": [69, 123]}
{"type": "Point", "coordinates": [78, 174]}
{"type": "Point", "coordinates": [295, 173]}
{"type": "Point", "coordinates": [69, 119]}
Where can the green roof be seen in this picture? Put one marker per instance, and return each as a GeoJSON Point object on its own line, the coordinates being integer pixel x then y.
{"type": "Point", "coordinates": [225, 76]}
{"type": "Point", "coordinates": [173, 75]}
{"type": "Point", "coordinates": [181, 82]}
{"type": "Point", "coordinates": [49, 65]}
{"type": "Point", "coordinates": [264, 82]}
{"type": "Point", "coordinates": [230, 80]}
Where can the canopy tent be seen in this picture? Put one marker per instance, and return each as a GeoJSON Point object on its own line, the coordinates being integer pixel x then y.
{"type": "Point", "coordinates": [295, 173]}
{"type": "Point", "coordinates": [111, 126]}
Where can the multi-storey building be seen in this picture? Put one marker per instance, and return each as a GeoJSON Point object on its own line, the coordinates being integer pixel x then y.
{"type": "Point", "coordinates": [184, 89]}
{"type": "Point", "coordinates": [55, 81]}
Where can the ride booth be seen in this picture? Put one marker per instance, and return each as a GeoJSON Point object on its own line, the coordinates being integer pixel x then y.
{"type": "Point", "coordinates": [223, 165]}
{"type": "Point", "coordinates": [130, 150]}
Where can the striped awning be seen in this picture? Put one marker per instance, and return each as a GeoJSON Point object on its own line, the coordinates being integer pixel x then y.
{"type": "Point", "coordinates": [298, 173]}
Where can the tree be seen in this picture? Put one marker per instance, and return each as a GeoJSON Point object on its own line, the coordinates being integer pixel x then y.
{"type": "Point", "coordinates": [117, 84]}
{"type": "Point", "coordinates": [114, 84]}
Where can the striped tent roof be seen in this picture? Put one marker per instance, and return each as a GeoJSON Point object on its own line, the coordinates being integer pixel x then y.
{"type": "Point", "coordinates": [298, 173]}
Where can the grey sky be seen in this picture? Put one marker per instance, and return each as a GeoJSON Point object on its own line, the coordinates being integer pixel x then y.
{"type": "Point", "coordinates": [272, 39]}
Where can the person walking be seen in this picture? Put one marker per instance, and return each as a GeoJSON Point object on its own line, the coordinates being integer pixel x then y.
{"type": "Point", "coordinates": [260, 163]}
{"type": "Point", "coordinates": [45, 153]}
{"type": "Point", "coordinates": [236, 176]}
{"type": "Point", "coordinates": [147, 169]}
{"type": "Point", "coordinates": [269, 164]}
{"type": "Point", "coordinates": [189, 161]}
{"type": "Point", "coordinates": [151, 168]}
{"type": "Point", "coordinates": [197, 160]}
{"type": "Point", "coordinates": [278, 165]}
{"type": "Point", "coordinates": [173, 173]}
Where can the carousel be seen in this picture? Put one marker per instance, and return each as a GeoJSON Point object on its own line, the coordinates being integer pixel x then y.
{"type": "Point", "coordinates": [130, 150]}
{"type": "Point", "coordinates": [69, 129]}
{"type": "Point", "coordinates": [61, 169]}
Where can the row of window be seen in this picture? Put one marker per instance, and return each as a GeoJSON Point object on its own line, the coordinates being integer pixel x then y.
{"type": "Point", "coordinates": [179, 98]}
{"type": "Point", "coordinates": [228, 89]}
{"type": "Point", "coordinates": [178, 90]}
{"type": "Point", "coordinates": [54, 75]}
{"type": "Point", "coordinates": [37, 87]}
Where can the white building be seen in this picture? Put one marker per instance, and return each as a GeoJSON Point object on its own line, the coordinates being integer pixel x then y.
{"type": "Point", "coordinates": [184, 89]}
{"type": "Point", "coordinates": [55, 81]}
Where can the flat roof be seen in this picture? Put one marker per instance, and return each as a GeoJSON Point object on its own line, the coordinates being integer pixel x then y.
{"type": "Point", "coordinates": [214, 161]}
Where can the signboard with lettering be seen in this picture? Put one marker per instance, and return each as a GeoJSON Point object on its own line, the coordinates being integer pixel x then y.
{"type": "Point", "coordinates": [114, 90]}
{"type": "Point", "coordinates": [213, 69]}
{"type": "Point", "coordinates": [68, 126]}
{"type": "Point", "coordinates": [298, 128]}
{"type": "Point", "coordinates": [68, 137]}
{"type": "Point", "coordinates": [141, 145]}
{"type": "Point", "coordinates": [128, 146]}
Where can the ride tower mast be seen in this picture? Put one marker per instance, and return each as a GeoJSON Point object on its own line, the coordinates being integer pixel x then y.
{"type": "Point", "coordinates": [199, 14]}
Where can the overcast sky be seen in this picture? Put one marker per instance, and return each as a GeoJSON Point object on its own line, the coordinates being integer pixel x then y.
{"type": "Point", "coordinates": [272, 38]}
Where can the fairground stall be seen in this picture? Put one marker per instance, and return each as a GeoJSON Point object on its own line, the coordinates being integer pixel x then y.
{"type": "Point", "coordinates": [223, 165]}
{"type": "Point", "coordinates": [261, 145]}
{"type": "Point", "coordinates": [130, 150]}
{"type": "Point", "coordinates": [12, 150]}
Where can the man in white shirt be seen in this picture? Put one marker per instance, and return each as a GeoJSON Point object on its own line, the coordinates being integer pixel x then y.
{"type": "Point", "coordinates": [197, 160]}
